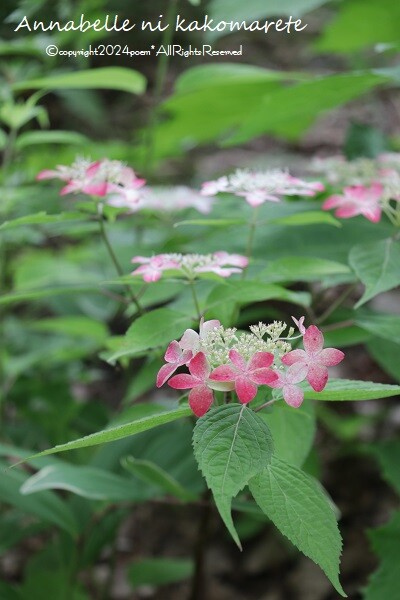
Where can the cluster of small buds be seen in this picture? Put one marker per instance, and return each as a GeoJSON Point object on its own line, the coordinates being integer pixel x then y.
{"type": "Point", "coordinates": [259, 186]}
{"type": "Point", "coordinates": [369, 185]}
{"type": "Point", "coordinates": [189, 265]}
{"type": "Point", "coordinates": [225, 359]}
{"type": "Point", "coordinates": [100, 178]}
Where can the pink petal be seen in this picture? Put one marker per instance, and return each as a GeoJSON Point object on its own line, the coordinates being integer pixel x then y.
{"type": "Point", "coordinates": [47, 174]}
{"type": "Point", "coordinates": [372, 214]}
{"type": "Point", "coordinates": [183, 382]}
{"type": "Point", "coordinates": [207, 326]}
{"type": "Point", "coordinates": [317, 377]}
{"type": "Point", "coordinates": [296, 373]}
{"type": "Point", "coordinates": [95, 189]}
{"type": "Point", "coordinates": [262, 376]}
{"type": "Point", "coordinates": [300, 324]}
{"type": "Point", "coordinates": [329, 357]}
{"type": "Point", "coordinates": [173, 353]}
{"type": "Point", "coordinates": [347, 211]}
{"type": "Point", "coordinates": [261, 360]}
{"type": "Point", "coordinates": [293, 395]}
{"type": "Point", "coordinates": [313, 340]}
{"type": "Point", "coordinates": [245, 390]}
{"type": "Point", "coordinates": [165, 373]}
{"type": "Point", "coordinates": [238, 360]}
{"type": "Point", "coordinates": [200, 400]}
{"type": "Point", "coordinates": [69, 188]}
{"type": "Point", "coordinates": [223, 373]}
{"type": "Point", "coordinates": [190, 340]}
{"type": "Point", "coordinates": [332, 202]}
{"type": "Point", "coordinates": [199, 366]}
{"type": "Point", "coordinates": [93, 168]}
{"type": "Point", "coordinates": [280, 380]}
{"type": "Point", "coordinates": [293, 357]}
{"type": "Point", "coordinates": [140, 259]}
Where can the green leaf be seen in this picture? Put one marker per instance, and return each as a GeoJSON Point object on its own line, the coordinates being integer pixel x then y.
{"type": "Point", "coordinates": [33, 138]}
{"type": "Point", "coordinates": [376, 24]}
{"type": "Point", "coordinates": [106, 78]}
{"type": "Point", "coordinates": [382, 325]}
{"type": "Point", "coordinates": [211, 222]}
{"type": "Point", "coordinates": [292, 429]}
{"type": "Point", "coordinates": [45, 505]}
{"type": "Point", "coordinates": [301, 268]}
{"type": "Point", "coordinates": [376, 264]}
{"type": "Point", "coordinates": [231, 444]}
{"type": "Point", "coordinates": [387, 453]}
{"type": "Point", "coordinates": [151, 473]}
{"type": "Point", "coordinates": [88, 482]}
{"type": "Point", "coordinates": [151, 330]}
{"type": "Point", "coordinates": [300, 509]}
{"type": "Point", "coordinates": [384, 583]}
{"type": "Point", "coordinates": [386, 354]}
{"type": "Point", "coordinates": [310, 217]}
{"type": "Point", "coordinates": [42, 218]}
{"type": "Point", "coordinates": [78, 326]}
{"type": "Point", "coordinates": [159, 571]}
{"type": "Point", "coordinates": [119, 432]}
{"type": "Point", "coordinates": [349, 389]}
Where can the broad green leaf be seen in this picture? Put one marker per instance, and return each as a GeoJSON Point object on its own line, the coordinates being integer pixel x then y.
{"type": "Point", "coordinates": [224, 295]}
{"type": "Point", "coordinates": [300, 268]}
{"type": "Point", "coordinates": [42, 218]}
{"type": "Point", "coordinates": [159, 571]}
{"type": "Point", "coordinates": [346, 336]}
{"type": "Point", "coordinates": [384, 583]}
{"type": "Point", "coordinates": [376, 264]}
{"type": "Point", "coordinates": [154, 329]}
{"type": "Point", "coordinates": [33, 138]}
{"type": "Point", "coordinates": [382, 325]}
{"type": "Point", "coordinates": [292, 429]}
{"type": "Point", "coordinates": [46, 292]}
{"type": "Point", "coordinates": [298, 506]}
{"type": "Point", "coordinates": [151, 473]}
{"type": "Point", "coordinates": [376, 24]}
{"type": "Point", "coordinates": [387, 453]}
{"type": "Point", "coordinates": [349, 389]}
{"type": "Point", "coordinates": [89, 482]}
{"type": "Point", "coordinates": [231, 444]}
{"type": "Point", "coordinates": [106, 78]}
{"type": "Point", "coordinates": [310, 217]}
{"type": "Point", "coordinates": [386, 354]}
{"type": "Point", "coordinates": [118, 432]}
{"type": "Point", "coordinates": [78, 326]}
{"type": "Point", "coordinates": [45, 505]}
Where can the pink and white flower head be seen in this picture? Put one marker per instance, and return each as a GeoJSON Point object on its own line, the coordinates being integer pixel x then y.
{"type": "Point", "coordinates": [246, 375]}
{"type": "Point", "coordinates": [286, 381]}
{"type": "Point", "coordinates": [200, 396]}
{"type": "Point", "coordinates": [175, 357]}
{"type": "Point", "coordinates": [357, 200]}
{"type": "Point", "coordinates": [190, 265]}
{"type": "Point", "coordinates": [171, 199]}
{"type": "Point", "coordinates": [259, 186]}
{"type": "Point", "coordinates": [300, 324]}
{"type": "Point", "coordinates": [314, 358]}
{"type": "Point", "coordinates": [191, 340]}
{"type": "Point", "coordinates": [98, 178]}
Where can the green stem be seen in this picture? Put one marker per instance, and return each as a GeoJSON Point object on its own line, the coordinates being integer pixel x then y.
{"type": "Point", "coordinates": [114, 259]}
{"type": "Point", "coordinates": [195, 298]}
{"type": "Point", "coordinates": [161, 73]}
{"type": "Point", "coordinates": [339, 300]}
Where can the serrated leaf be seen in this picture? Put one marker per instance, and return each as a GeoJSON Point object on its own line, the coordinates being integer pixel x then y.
{"type": "Point", "coordinates": [231, 444]}
{"type": "Point", "coordinates": [118, 432]}
{"type": "Point", "coordinates": [292, 429]}
{"type": "Point", "coordinates": [151, 330]}
{"type": "Point", "coordinates": [110, 78]}
{"type": "Point", "coordinates": [352, 390]}
{"type": "Point", "coordinates": [384, 583]}
{"type": "Point", "coordinates": [376, 264]}
{"type": "Point", "coordinates": [299, 508]}
{"type": "Point", "coordinates": [88, 482]}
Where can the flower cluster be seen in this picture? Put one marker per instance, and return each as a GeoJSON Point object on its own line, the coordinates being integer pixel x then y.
{"type": "Point", "coordinates": [225, 359]}
{"type": "Point", "coordinates": [99, 178]}
{"type": "Point", "coordinates": [369, 185]}
{"type": "Point", "coordinates": [189, 265]}
{"type": "Point", "coordinates": [259, 186]}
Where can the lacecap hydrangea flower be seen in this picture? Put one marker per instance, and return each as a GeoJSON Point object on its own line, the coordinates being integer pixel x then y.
{"type": "Point", "coordinates": [224, 359]}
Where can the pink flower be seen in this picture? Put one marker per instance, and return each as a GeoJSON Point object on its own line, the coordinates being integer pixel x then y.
{"type": "Point", "coordinates": [292, 394]}
{"type": "Point", "coordinates": [314, 358]}
{"type": "Point", "coordinates": [246, 375]}
{"type": "Point", "coordinates": [200, 395]}
{"type": "Point", "coordinates": [299, 324]}
{"type": "Point", "coordinates": [153, 267]}
{"type": "Point", "coordinates": [357, 200]}
{"type": "Point", "coordinates": [191, 340]}
{"type": "Point", "coordinates": [175, 358]}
